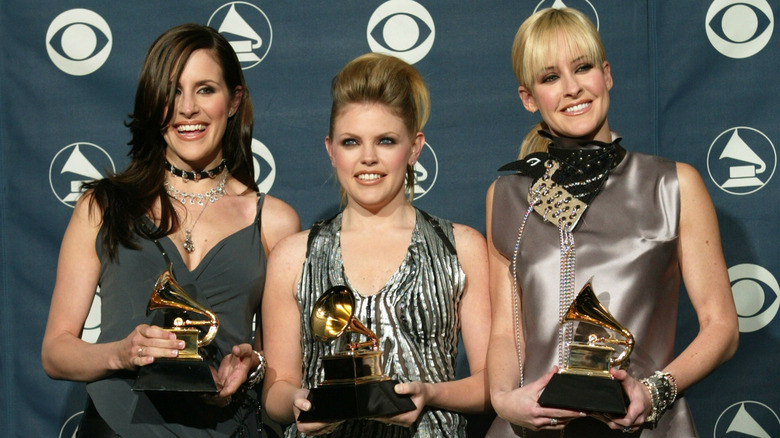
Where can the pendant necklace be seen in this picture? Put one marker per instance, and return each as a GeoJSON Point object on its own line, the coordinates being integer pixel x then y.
{"type": "Point", "coordinates": [211, 196]}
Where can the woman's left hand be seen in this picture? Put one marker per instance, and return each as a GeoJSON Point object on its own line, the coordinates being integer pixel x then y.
{"type": "Point", "coordinates": [639, 406]}
{"type": "Point", "coordinates": [232, 373]}
{"type": "Point", "coordinates": [420, 395]}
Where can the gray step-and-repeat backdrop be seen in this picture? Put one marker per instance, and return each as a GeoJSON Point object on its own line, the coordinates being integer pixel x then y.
{"type": "Point", "coordinates": [694, 81]}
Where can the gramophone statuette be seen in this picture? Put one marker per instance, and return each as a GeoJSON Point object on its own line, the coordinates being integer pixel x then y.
{"type": "Point", "coordinates": [354, 385]}
{"type": "Point", "coordinates": [187, 372]}
{"type": "Point", "coordinates": [585, 383]}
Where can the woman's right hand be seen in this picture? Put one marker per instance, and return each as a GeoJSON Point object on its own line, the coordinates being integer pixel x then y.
{"type": "Point", "coordinates": [301, 403]}
{"type": "Point", "coordinates": [520, 406]}
{"type": "Point", "coordinates": [145, 343]}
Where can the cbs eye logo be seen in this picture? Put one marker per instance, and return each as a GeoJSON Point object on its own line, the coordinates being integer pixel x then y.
{"type": "Point", "coordinates": [739, 28]}
{"type": "Point", "coordinates": [78, 41]}
{"type": "Point", "coordinates": [264, 180]}
{"type": "Point", "coordinates": [402, 28]}
{"type": "Point", "coordinates": [756, 296]}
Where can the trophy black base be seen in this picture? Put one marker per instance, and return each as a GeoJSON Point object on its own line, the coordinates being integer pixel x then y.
{"type": "Point", "coordinates": [180, 375]}
{"type": "Point", "coordinates": [353, 401]}
{"type": "Point", "coordinates": [584, 393]}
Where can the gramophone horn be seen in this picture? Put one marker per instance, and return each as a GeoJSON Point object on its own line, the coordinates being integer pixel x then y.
{"type": "Point", "coordinates": [587, 307]}
{"type": "Point", "coordinates": [167, 294]}
{"type": "Point", "coordinates": [333, 315]}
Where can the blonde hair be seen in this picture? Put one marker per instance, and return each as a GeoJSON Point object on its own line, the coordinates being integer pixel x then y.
{"type": "Point", "coordinates": [385, 80]}
{"type": "Point", "coordinates": [539, 39]}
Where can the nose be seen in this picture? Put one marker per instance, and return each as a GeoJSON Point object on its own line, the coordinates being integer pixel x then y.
{"type": "Point", "coordinates": [187, 105]}
{"type": "Point", "coordinates": [572, 86]}
{"type": "Point", "coordinates": [368, 154]}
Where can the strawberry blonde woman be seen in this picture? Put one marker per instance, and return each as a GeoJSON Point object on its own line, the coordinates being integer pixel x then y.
{"type": "Point", "coordinates": [418, 280]}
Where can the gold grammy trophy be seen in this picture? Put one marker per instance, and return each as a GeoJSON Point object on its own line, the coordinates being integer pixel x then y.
{"type": "Point", "coordinates": [585, 383]}
{"type": "Point", "coordinates": [187, 372]}
{"type": "Point", "coordinates": [353, 385]}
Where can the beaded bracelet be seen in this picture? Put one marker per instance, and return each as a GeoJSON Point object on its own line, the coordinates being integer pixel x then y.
{"type": "Point", "coordinates": [258, 373]}
{"type": "Point", "coordinates": [663, 392]}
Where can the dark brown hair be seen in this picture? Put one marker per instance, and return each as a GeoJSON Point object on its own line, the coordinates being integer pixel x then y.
{"type": "Point", "coordinates": [125, 197]}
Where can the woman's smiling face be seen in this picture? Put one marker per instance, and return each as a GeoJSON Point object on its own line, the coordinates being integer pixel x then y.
{"type": "Point", "coordinates": [572, 96]}
{"type": "Point", "coordinates": [370, 150]}
{"type": "Point", "coordinates": [203, 105]}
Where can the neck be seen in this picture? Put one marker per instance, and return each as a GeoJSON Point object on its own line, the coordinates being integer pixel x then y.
{"type": "Point", "coordinates": [399, 213]}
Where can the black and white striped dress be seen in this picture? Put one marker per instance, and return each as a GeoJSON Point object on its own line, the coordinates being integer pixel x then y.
{"type": "Point", "coordinates": [415, 317]}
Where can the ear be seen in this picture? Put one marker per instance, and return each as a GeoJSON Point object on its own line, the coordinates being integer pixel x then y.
{"type": "Point", "coordinates": [607, 75]}
{"type": "Point", "coordinates": [528, 99]}
{"type": "Point", "coordinates": [329, 148]}
{"type": "Point", "coordinates": [235, 102]}
{"type": "Point", "coordinates": [417, 145]}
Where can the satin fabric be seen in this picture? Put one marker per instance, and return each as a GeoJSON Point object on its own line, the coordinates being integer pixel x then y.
{"type": "Point", "coordinates": [229, 280]}
{"type": "Point", "coordinates": [627, 243]}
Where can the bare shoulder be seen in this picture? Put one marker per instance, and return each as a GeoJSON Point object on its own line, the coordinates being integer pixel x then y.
{"type": "Point", "coordinates": [87, 212]}
{"type": "Point", "coordinates": [692, 188]}
{"type": "Point", "coordinates": [279, 220]}
{"type": "Point", "coordinates": [286, 260]}
{"type": "Point", "coordinates": [468, 241]}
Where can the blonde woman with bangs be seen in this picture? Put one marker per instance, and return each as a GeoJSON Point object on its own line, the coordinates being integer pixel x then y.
{"type": "Point", "coordinates": [636, 227]}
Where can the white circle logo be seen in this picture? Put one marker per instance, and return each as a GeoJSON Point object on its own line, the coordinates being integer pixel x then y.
{"type": "Point", "coordinates": [265, 180]}
{"type": "Point", "coordinates": [402, 28]}
{"type": "Point", "coordinates": [756, 296]}
{"type": "Point", "coordinates": [739, 28]}
{"type": "Point", "coordinates": [71, 427]}
{"type": "Point", "coordinates": [78, 41]}
{"type": "Point", "coordinates": [584, 6]}
{"type": "Point", "coordinates": [248, 30]}
{"type": "Point", "coordinates": [74, 165]}
{"type": "Point", "coordinates": [747, 418]}
{"type": "Point", "coordinates": [426, 169]}
{"type": "Point", "coordinates": [741, 160]}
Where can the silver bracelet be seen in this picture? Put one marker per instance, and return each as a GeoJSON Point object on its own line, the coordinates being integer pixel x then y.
{"type": "Point", "coordinates": [663, 392]}
{"type": "Point", "coordinates": [259, 372]}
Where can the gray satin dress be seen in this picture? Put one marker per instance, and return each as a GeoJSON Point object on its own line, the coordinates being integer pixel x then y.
{"type": "Point", "coordinates": [229, 280]}
{"type": "Point", "coordinates": [627, 243]}
{"type": "Point", "coordinates": [415, 317]}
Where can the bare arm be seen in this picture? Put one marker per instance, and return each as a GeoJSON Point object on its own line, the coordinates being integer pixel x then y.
{"type": "Point", "coordinates": [706, 280]}
{"type": "Point", "coordinates": [63, 354]}
{"type": "Point", "coordinates": [282, 328]}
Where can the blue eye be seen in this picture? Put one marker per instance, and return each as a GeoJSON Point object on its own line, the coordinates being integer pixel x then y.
{"type": "Point", "coordinates": [740, 28]}
{"type": "Point", "coordinates": [402, 28]}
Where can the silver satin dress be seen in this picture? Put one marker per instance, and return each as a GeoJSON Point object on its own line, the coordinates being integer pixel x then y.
{"type": "Point", "coordinates": [415, 317]}
{"type": "Point", "coordinates": [627, 243]}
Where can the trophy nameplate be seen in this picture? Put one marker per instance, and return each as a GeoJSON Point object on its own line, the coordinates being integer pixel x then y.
{"type": "Point", "coordinates": [353, 385]}
{"type": "Point", "coordinates": [585, 383]}
{"type": "Point", "coordinates": [187, 372]}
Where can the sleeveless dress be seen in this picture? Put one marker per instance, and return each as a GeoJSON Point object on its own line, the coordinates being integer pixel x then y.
{"type": "Point", "coordinates": [415, 318]}
{"type": "Point", "coordinates": [627, 243]}
{"type": "Point", "coordinates": [229, 280]}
